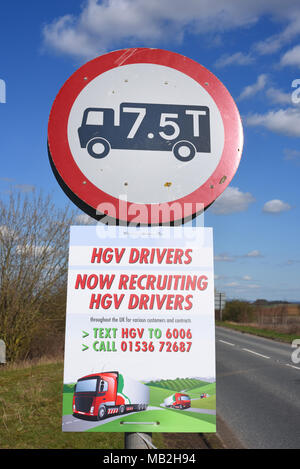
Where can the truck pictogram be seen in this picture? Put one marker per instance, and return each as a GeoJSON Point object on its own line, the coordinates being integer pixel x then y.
{"type": "Point", "coordinates": [178, 401]}
{"type": "Point", "coordinates": [101, 395]}
{"type": "Point", "coordinates": [181, 129]}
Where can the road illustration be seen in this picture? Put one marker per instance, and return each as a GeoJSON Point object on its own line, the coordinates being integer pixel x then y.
{"type": "Point", "coordinates": [71, 423]}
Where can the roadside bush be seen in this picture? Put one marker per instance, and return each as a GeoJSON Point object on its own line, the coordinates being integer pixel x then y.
{"type": "Point", "coordinates": [34, 238]}
{"type": "Point", "coordinates": [238, 311]}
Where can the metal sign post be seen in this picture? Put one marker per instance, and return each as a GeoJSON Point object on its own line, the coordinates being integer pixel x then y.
{"type": "Point", "coordinates": [2, 352]}
{"type": "Point", "coordinates": [220, 301]}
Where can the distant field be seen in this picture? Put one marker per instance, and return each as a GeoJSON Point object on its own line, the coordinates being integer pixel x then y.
{"type": "Point", "coordinates": [178, 384]}
{"type": "Point", "coordinates": [292, 309]}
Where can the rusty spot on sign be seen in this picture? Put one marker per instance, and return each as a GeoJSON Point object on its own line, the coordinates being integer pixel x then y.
{"type": "Point", "coordinates": [223, 179]}
{"type": "Point", "coordinates": [167, 184]}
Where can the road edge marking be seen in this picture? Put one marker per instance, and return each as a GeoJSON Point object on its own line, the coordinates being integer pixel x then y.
{"type": "Point", "coordinates": [256, 353]}
{"type": "Point", "coordinates": [228, 343]}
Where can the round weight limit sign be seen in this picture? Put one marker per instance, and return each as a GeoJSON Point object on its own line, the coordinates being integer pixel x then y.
{"type": "Point", "coordinates": [144, 135]}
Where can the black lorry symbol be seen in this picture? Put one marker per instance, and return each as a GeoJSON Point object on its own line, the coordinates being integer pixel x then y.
{"type": "Point", "coordinates": [182, 129]}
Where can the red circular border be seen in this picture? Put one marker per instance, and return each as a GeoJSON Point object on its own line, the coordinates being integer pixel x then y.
{"type": "Point", "coordinates": [91, 195]}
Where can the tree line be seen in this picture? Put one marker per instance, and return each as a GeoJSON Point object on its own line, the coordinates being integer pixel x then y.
{"type": "Point", "coordinates": [34, 236]}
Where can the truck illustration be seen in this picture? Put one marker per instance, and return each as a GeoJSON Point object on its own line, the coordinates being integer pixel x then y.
{"type": "Point", "coordinates": [178, 401]}
{"type": "Point", "coordinates": [100, 395]}
{"type": "Point", "coordinates": [182, 129]}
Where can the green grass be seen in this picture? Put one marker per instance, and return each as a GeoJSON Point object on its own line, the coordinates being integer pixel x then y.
{"type": "Point", "coordinates": [180, 421]}
{"type": "Point", "coordinates": [262, 332]}
{"type": "Point", "coordinates": [158, 395]}
{"type": "Point", "coordinates": [178, 384]}
{"type": "Point", "coordinates": [207, 403]}
{"type": "Point", "coordinates": [31, 413]}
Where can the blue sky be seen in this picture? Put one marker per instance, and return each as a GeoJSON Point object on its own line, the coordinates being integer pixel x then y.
{"type": "Point", "coordinates": [253, 47]}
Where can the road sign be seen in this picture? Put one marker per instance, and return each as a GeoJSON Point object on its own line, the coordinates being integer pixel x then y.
{"type": "Point", "coordinates": [144, 135]}
{"type": "Point", "coordinates": [220, 300]}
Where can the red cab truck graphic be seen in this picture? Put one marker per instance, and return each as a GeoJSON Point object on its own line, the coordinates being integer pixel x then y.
{"type": "Point", "coordinates": [100, 395]}
{"type": "Point", "coordinates": [178, 401]}
{"type": "Point", "coordinates": [182, 129]}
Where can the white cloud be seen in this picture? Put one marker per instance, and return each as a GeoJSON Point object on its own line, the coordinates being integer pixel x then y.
{"type": "Point", "coordinates": [232, 284]}
{"type": "Point", "coordinates": [254, 253]}
{"type": "Point", "coordinates": [292, 155]}
{"type": "Point", "coordinates": [282, 121]}
{"type": "Point", "coordinates": [247, 277]}
{"type": "Point", "coordinates": [290, 32]}
{"type": "Point", "coordinates": [224, 258]}
{"type": "Point", "coordinates": [232, 200]}
{"type": "Point", "coordinates": [235, 59]}
{"type": "Point", "coordinates": [278, 96]}
{"type": "Point", "coordinates": [34, 251]}
{"type": "Point", "coordinates": [66, 36]}
{"type": "Point", "coordinates": [24, 187]}
{"type": "Point", "coordinates": [84, 219]}
{"type": "Point", "coordinates": [291, 57]}
{"type": "Point", "coordinates": [251, 90]}
{"type": "Point", "coordinates": [103, 25]}
{"type": "Point", "coordinates": [276, 206]}
{"type": "Point", "coordinates": [6, 232]}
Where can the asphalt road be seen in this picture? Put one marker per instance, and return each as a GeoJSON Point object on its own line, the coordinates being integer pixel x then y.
{"type": "Point", "coordinates": [258, 390]}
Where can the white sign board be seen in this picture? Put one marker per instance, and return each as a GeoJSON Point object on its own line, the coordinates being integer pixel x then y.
{"type": "Point", "coordinates": [140, 308]}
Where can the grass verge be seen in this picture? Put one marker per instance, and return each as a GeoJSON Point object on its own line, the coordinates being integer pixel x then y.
{"type": "Point", "coordinates": [31, 412]}
{"type": "Point", "coordinates": [262, 332]}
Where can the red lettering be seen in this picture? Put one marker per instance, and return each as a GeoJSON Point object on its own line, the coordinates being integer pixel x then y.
{"type": "Point", "coordinates": [92, 281]}
{"type": "Point", "coordinates": [178, 256]}
{"type": "Point", "coordinates": [144, 256]}
{"type": "Point", "coordinates": [123, 281]}
{"type": "Point", "coordinates": [96, 255]}
{"type": "Point", "coordinates": [169, 259]}
{"type": "Point", "coordinates": [202, 282]}
{"type": "Point", "coordinates": [144, 302]}
{"type": "Point", "coordinates": [134, 256]}
{"type": "Point", "coordinates": [105, 301]}
{"type": "Point", "coordinates": [188, 256]}
{"type": "Point", "coordinates": [178, 301]}
{"type": "Point", "coordinates": [133, 301]}
{"type": "Point", "coordinates": [80, 281]}
{"type": "Point", "coordinates": [119, 255]}
{"type": "Point", "coordinates": [106, 255]}
{"type": "Point", "coordinates": [189, 303]}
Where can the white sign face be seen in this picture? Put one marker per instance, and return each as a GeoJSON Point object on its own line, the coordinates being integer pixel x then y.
{"type": "Point", "coordinates": [140, 307]}
{"type": "Point", "coordinates": [141, 163]}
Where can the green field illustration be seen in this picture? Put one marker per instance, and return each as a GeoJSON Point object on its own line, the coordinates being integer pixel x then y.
{"type": "Point", "coordinates": [181, 405]}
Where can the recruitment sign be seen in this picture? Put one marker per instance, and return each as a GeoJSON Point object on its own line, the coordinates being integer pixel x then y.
{"type": "Point", "coordinates": [140, 346]}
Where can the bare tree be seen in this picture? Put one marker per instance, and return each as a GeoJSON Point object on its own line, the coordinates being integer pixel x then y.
{"type": "Point", "coordinates": [33, 265]}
